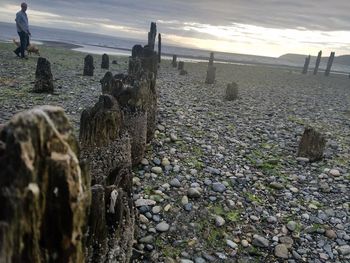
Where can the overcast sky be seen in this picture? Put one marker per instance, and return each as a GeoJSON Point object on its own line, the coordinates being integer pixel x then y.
{"type": "Point", "coordinates": [260, 27]}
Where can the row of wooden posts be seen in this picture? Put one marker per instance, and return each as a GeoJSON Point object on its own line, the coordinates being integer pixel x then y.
{"type": "Point", "coordinates": [318, 60]}
{"type": "Point", "coordinates": [73, 202]}
{"type": "Point", "coordinates": [211, 71]}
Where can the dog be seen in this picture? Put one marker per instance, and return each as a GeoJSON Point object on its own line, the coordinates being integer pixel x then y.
{"type": "Point", "coordinates": [31, 48]}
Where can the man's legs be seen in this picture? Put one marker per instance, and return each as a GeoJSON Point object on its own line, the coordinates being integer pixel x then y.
{"type": "Point", "coordinates": [28, 43]}
{"type": "Point", "coordinates": [23, 37]}
{"type": "Point", "coordinates": [18, 49]}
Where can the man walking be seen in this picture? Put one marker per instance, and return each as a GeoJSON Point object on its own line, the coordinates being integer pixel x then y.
{"type": "Point", "coordinates": [23, 30]}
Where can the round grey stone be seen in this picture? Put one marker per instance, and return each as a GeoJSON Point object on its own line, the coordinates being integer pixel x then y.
{"type": "Point", "coordinates": [281, 251]}
{"type": "Point", "coordinates": [260, 241]}
{"type": "Point", "coordinates": [218, 187]}
{"type": "Point", "coordinates": [276, 185]}
{"type": "Point", "coordinates": [231, 244]}
{"type": "Point", "coordinates": [199, 260]}
{"type": "Point", "coordinates": [157, 170]}
{"type": "Point", "coordinates": [175, 182]}
{"type": "Point", "coordinates": [291, 225]}
{"type": "Point", "coordinates": [272, 219]}
{"type": "Point", "coordinates": [344, 250]}
{"type": "Point", "coordinates": [193, 193]}
{"type": "Point", "coordinates": [219, 221]}
{"type": "Point", "coordinates": [156, 209]}
{"type": "Point", "coordinates": [162, 227]}
{"type": "Point", "coordinates": [330, 234]}
{"type": "Point", "coordinates": [147, 239]}
{"type": "Point", "coordinates": [184, 200]}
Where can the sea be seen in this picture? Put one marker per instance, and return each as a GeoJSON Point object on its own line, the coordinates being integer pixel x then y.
{"type": "Point", "coordinates": [113, 45]}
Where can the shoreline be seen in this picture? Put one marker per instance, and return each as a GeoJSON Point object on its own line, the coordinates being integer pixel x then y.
{"type": "Point", "coordinates": [118, 51]}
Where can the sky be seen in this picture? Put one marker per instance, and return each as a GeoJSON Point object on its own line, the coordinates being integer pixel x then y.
{"type": "Point", "coordinates": [257, 27]}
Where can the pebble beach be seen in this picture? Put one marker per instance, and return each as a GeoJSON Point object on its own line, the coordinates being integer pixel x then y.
{"type": "Point", "coordinates": [221, 181]}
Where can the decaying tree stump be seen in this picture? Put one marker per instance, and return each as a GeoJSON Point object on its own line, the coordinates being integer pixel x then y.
{"type": "Point", "coordinates": [318, 60]}
{"type": "Point", "coordinates": [312, 145]}
{"type": "Point", "coordinates": [306, 64]}
{"type": "Point", "coordinates": [43, 77]}
{"type": "Point", "coordinates": [105, 61]}
{"type": "Point", "coordinates": [44, 192]}
{"type": "Point", "coordinates": [231, 91]}
{"type": "Point", "coordinates": [88, 66]}
{"type": "Point", "coordinates": [181, 65]}
{"type": "Point", "coordinates": [329, 64]}
{"type": "Point", "coordinates": [211, 71]}
{"type": "Point", "coordinates": [174, 62]}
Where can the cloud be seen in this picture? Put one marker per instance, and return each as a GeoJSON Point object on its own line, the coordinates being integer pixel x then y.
{"type": "Point", "coordinates": [231, 24]}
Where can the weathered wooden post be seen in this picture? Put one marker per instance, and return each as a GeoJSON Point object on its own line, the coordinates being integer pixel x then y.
{"type": "Point", "coordinates": [174, 63]}
{"type": "Point", "coordinates": [152, 35]}
{"type": "Point", "coordinates": [44, 190]}
{"type": "Point", "coordinates": [43, 77]}
{"type": "Point", "coordinates": [105, 61]}
{"type": "Point", "coordinates": [318, 60]}
{"type": "Point", "coordinates": [211, 71]}
{"type": "Point", "coordinates": [211, 59]}
{"type": "Point", "coordinates": [113, 136]}
{"type": "Point", "coordinates": [306, 64]}
{"type": "Point", "coordinates": [159, 47]}
{"type": "Point", "coordinates": [311, 145]}
{"type": "Point", "coordinates": [231, 91]}
{"type": "Point", "coordinates": [329, 64]}
{"type": "Point", "coordinates": [88, 66]}
{"type": "Point", "coordinates": [181, 65]}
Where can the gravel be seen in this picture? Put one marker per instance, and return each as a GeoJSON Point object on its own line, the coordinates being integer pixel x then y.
{"type": "Point", "coordinates": [233, 159]}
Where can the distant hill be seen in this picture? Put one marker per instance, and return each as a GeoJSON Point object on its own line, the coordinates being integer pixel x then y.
{"type": "Point", "coordinates": [345, 60]}
{"type": "Point", "coordinates": [297, 58]}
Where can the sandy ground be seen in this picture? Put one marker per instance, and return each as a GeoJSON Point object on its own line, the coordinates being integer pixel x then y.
{"type": "Point", "coordinates": [224, 174]}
